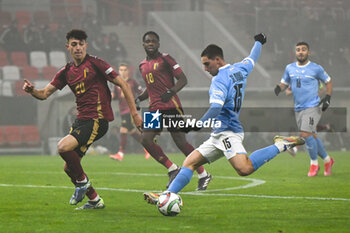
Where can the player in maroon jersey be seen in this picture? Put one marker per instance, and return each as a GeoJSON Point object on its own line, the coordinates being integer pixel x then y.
{"type": "Point", "coordinates": [124, 111]}
{"type": "Point", "coordinates": [158, 71]}
{"type": "Point", "coordinates": [87, 77]}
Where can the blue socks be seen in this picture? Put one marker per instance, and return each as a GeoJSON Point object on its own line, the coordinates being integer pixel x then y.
{"type": "Point", "coordinates": [320, 148]}
{"type": "Point", "coordinates": [181, 180]}
{"type": "Point", "coordinates": [311, 145]}
{"type": "Point", "coordinates": [259, 157]}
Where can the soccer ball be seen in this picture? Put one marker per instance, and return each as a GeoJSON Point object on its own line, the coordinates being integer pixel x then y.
{"type": "Point", "coordinates": [169, 204]}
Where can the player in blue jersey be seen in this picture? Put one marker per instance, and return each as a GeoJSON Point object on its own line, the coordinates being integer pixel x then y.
{"type": "Point", "coordinates": [226, 97]}
{"type": "Point", "coordinates": [303, 77]}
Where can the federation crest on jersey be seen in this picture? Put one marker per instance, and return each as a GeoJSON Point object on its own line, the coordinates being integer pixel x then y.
{"type": "Point", "coordinates": [155, 66]}
{"type": "Point", "coordinates": [86, 72]}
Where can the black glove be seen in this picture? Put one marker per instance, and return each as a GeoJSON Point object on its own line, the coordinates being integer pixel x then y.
{"type": "Point", "coordinates": [167, 95]}
{"type": "Point", "coordinates": [261, 38]}
{"type": "Point", "coordinates": [326, 101]}
{"type": "Point", "coordinates": [137, 103]}
{"type": "Point", "coordinates": [277, 90]}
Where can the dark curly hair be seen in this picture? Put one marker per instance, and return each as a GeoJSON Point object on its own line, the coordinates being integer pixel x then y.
{"type": "Point", "coordinates": [76, 34]}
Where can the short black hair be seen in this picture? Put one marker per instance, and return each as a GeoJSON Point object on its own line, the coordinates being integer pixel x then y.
{"type": "Point", "coordinates": [211, 51]}
{"type": "Point", "coordinates": [303, 43]}
{"type": "Point", "coordinates": [76, 34]}
{"type": "Point", "coordinates": [150, 33]}
{"type": "Point", "coordinates": [123, 64]}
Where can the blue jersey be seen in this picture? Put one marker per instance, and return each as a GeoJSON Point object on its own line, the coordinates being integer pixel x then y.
{"type": "Point", "coordinates": [227, 89]}
{"type": "Point", "coordinates": [304, 83]}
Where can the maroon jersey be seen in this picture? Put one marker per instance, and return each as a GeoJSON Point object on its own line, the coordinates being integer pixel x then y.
{"type": "Point", "coordinates": [158, 75]}
{"type": "Point", "coordinates": [123, 105]}
{"type": "Point", "coordinates": [88, 82]}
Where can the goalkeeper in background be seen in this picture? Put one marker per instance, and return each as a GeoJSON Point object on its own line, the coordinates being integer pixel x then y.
{"type": "Point", "coordinates": [303, 77]}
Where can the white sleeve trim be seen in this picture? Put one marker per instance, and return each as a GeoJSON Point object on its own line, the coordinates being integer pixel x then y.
{"type": "Point", "coordinates": [251, 60]}
{"type": "Point", "coordinates": [109, 70]}
{"type": "Point", "coordinates": [284, 82]}
{"type": "Point", "coordinates": [217, 101]}
{"type": "Point", "coordinates": [328, 80]}
{"type": "Point", "coordinates": [176, 66]}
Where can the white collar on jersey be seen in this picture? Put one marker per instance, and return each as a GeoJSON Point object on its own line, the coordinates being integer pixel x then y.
{"type": "Point", "coordinates": [223, 67]}
{"type": "Point", "coordinates": [303, 65]}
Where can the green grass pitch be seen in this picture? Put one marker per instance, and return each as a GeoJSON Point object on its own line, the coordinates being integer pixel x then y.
{"type": "Point", "coordinates": [279, 197]}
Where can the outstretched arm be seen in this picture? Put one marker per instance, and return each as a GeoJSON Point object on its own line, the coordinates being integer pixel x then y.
{"type": "Point", "coordinates": [41, 94]}
{"type": "Point", "coordinates": [255, 52]}
{"type": "Point", "coordinates": [260, 39]}
{"type": "Point", "coordinates": [130, 100]}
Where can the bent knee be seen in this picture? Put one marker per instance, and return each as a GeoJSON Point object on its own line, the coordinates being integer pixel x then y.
{"type": "Point", "coordinates": [61, 147]}
{"type": "Point", "coordinates": [67, 143]}
{"type": "Point", "coordinates": [64, 147]}
{"type": "Point", "coordinates": [245, 171]}
{"type": "Point", "coordinates": [190, 164]}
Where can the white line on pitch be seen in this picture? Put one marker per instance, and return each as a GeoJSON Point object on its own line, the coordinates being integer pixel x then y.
{"type": "Point", "coordinates": [253, 182]}
{"type": "Point", "coordinates": [187, 193]}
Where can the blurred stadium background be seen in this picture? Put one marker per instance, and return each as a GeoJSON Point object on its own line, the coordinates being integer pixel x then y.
{"type": "Point", "coordinates": [32, 46]}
